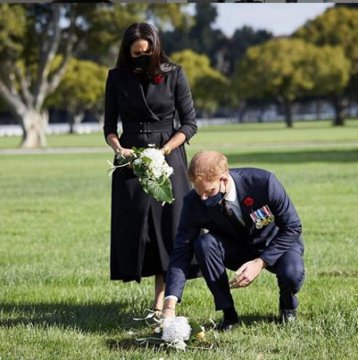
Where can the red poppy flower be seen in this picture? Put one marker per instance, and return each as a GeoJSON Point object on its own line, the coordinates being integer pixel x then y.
{"type": "Point", "coordinates": [158, 79]}
{"type": "Point", "coordinates": [248, 201]}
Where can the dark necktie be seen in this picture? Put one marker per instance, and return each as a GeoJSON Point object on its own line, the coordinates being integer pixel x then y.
{"type": "Point", "coordinates": [230, 215]}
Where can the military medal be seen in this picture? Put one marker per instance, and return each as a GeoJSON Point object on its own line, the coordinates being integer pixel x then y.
{"type": "Point", "coordinates": [262, 217]}
{"type": "Point", "coordinates": [255, 217]}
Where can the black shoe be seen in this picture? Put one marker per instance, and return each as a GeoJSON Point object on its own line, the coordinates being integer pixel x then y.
{"type": "Point", "coordinates": [228, 324]}
{"type": "Point", "coordinates": [288, 316]}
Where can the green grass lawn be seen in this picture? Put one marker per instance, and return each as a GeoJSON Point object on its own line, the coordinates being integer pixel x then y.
{"type": "Point", "coordinates": [56, 300]}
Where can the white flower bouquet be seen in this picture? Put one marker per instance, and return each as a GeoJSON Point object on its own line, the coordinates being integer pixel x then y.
{"type": "Point", "coordinates": [177, 332]}
{"type": "Point", "coordinates": [152, 170]}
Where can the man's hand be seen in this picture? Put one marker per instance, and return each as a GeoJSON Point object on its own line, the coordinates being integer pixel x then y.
{"type": "Point", "coordinates": [247, 273]}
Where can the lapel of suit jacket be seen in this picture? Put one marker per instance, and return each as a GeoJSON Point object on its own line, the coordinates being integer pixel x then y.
{"type": "Point", "coordinates": [220, 219]}
{"type": "Point", "coordinates": [136, 93]}
{"type": "Point", "coordinates": [242, 191]}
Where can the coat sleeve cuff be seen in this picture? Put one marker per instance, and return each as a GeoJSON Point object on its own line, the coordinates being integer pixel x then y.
{"type": "Point", "coordinates": [188, 131]}
{"type": "Point", "coordinates": [269, 261]}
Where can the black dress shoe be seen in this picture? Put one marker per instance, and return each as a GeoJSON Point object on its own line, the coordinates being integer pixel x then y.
{"type": "Point", "coordinates": [288, 316]}
{"type": "Point", "coordinates": [228, 324]}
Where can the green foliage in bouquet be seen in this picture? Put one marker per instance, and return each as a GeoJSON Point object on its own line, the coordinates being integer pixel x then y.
{"type": "Point", "coordinates": [152, 170]}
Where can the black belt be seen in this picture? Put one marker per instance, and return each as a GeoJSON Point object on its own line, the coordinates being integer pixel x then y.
{"type": "Point", "coordinates": [147, 127]}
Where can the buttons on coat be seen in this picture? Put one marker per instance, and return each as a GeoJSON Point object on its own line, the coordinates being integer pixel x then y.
{"type": "Point", "coordinates": [143, 130]}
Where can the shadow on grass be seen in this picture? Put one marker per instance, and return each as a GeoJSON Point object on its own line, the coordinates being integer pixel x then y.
{"type": "Point", "coordinates": [89, 317]}
{"type": "Point", "coordinates": [127, 344]}
{"type": "Point", "coordinates": [251, 320]}
{"type": "Point", "coordinates": [304, 156]}
{"type": "Point", "coordinates": [122, 344]}
{"type": "Point", "coordinates": [85, 317]}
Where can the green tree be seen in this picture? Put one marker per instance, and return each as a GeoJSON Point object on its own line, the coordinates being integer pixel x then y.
{"type": "Point", "coordinates": [338, 26]}
{"type": "Point", "coordinates": [197, 33]}
{"type": "Point", "coordinates": [108, 24]}
{"type": "Point", "coordinates": [202, 34]}
{"type": "Point", "coordinates": [287, 69]}
{"type": "Point", "coordinates": [105, 27]}
{"type": "Point", "coordinates": [171, 14]}
{"type": "Point", "coordinates": [26, 55]}
{"type": "Point", "coordinates": [203, 38]}
{"type": "Point", "coordinates": [32, 36]}
{"type": "Point", "coordinates": [209, 87]}
{"type": "Point", "coordinates": [242, 39]}
{"type": "Point", "coordinates": [80, 90]}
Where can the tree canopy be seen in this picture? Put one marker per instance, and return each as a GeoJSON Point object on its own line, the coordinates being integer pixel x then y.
{"type": "Point", "coordinates": [33, 36]}
{"type": "Point", "coordinates": [81, 88]}
{"type": "Point", "coordinates": [286, 69]}
{"type": "Point", "coordinates": [41, 45]}
{"type": "Point", "coordinates": [337, 26]}
{"type": "Point", "coordinates": [208, 85]}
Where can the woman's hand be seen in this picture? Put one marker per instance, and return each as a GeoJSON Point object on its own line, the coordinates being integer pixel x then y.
{"type": "Point", "coordinates": [123, 152]}
{"type": "Point", "coordinates": [166, 150]}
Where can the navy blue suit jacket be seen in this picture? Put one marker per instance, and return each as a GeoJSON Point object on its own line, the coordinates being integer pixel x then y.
{"type": "Point", "coordinates": [269, 243]}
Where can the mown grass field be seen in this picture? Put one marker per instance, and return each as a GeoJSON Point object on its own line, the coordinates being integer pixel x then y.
{"type": "Point", "coordinates": [56, 300]}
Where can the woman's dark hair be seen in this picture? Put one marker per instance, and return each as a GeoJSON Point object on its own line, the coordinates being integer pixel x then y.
{"type": "Point", "coordinates": [160, 62]}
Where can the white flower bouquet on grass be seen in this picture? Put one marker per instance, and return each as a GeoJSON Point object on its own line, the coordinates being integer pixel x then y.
{"type": "Point", "coordinates": [177, 332]}
{"type": "Point", "coordinates": [152, 170]}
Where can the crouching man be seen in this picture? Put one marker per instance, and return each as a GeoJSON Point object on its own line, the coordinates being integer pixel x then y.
{"type": "Point", "coordinates": [251, 225]}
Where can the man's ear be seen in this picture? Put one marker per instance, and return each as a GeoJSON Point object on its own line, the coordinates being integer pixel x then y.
{"type": "Point", "coordinates": [224, 178]}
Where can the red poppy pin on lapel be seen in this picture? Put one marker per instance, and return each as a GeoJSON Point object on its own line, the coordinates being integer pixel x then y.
{"type": "Point", "coordinates": [158, 79]}
{"type": "Point", "coordinates": [248, 201]}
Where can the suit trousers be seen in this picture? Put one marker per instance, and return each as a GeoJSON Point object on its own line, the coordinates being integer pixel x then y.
{"type": "Point", "coordinates": [214, 254]}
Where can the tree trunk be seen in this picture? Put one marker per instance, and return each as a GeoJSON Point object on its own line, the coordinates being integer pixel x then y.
{"type": "Point", "coordinates": [75, 120]}
{"type": "Point", "coordinates": [287, 108]}
{"type": "Point", "coordinates": [262, 108]}
{"type": "Point", "coordinates": [241, 112]}
{"type": "Point", "coordinates": [318, 104]}
{"type": "Point", "coordinates": [340, 107]}
{"type": "Point", "coordinates": [24, 94]}
{"type": "Point", "coordinates": [71, 123]}
{"type": "Point", "coordinates": [34, 124]}
{"type": "Point", "coordinates": [100, 116]}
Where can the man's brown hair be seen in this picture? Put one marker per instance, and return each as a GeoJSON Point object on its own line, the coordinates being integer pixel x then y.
{"type": "Point", "coordinates": [207, 165]}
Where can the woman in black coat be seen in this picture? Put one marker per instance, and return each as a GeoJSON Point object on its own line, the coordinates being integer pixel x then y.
{"type": "Point", "coordinates": [145, 92]}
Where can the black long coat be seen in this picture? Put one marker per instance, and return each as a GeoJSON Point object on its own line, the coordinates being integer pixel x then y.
{"type": "Point", "coordinates": [138, 222]}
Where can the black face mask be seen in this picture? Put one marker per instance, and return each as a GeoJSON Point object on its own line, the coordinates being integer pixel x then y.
{"type": "Point", "coordinates": [216, 199]}
{"type": "Point", "coordinates": [213, 200]}
{"type": "Point", "coordinates": [142, 62]}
